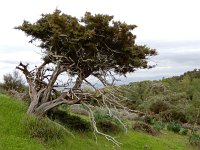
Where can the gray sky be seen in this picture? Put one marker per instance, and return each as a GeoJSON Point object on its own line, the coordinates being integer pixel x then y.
{"type": "Point", "coordinates": [170, 26]}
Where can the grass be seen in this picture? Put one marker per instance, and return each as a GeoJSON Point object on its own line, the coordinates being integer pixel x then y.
{"type": "Point", "coordinates": [14, 137]}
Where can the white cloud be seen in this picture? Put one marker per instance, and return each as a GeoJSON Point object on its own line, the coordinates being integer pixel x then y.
{"type": "Point", "coordinates": [159, 24]}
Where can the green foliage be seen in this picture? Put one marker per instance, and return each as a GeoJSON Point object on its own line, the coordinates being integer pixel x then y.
{"type": "Point", "coordinates": [13, 82]}
{"type": "Point", "coordinates": [90, 44]}
{"type": "Point", "coordinates": [184, 131]}
{"type": "Point", "coordinates": [173, 126]}
{"type": "Point", "coordinates": [43, 129]}
{"type": "Point", "coordinates": [173, 99]}
{"type": "Point", "coordinates": [194, 139]}
{"type": "Point", "coordinates": [73, 122]}
{"type": "Point", "coordinates": [13, 135]}
{"type": "Point", "coordinates": [107, 123]}
{"type": "Point", "coordinates": [158, 125]}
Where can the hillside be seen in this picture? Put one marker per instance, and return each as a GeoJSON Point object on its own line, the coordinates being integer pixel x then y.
{"type": "Point", "coordinates": [13, 135]}
{"type": "Point", "coordinates": [171, 99]}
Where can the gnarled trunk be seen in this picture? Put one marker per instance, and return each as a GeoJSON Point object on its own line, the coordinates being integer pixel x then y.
{"type": "Point", "coordinates": [41, 93]}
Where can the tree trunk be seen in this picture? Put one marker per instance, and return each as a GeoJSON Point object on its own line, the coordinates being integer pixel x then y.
{"type": "Point", "coordinates": [40, 109]}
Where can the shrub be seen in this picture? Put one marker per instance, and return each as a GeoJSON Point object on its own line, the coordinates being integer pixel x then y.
{"type": "Point", "coordinates": [140, 126]}
{"type": "Point", "coordinates": [107, 123]}
{"type": "Point", "coordinates": [158, 107]}
{"type": "Point", "coordinates": [73, 122]}
{"type": "Point", "coordinates": [43, 129]}
{"type": "Point", "coordinates": [148, 119]}
{"type": "Point", "coordinates": [184, 131]}
{"type": "Point", "coordinates": [194, 139]}
{"type": "Point", "coordinates": [157, 125]}
{"type": "Point", "coordinates": [173, 115]}
{"type": "Point", "coordinates": [108, 126]}
{"type": "Point", "coordinates": [13, 82]}
{"type": "Point", "coordinates": [173, 126]}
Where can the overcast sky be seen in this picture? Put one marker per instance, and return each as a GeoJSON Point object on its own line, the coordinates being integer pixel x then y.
{"type": "Point", "coordinates": [170, 26]}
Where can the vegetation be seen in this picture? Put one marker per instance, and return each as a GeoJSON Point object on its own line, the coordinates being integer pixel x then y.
{"type": "Point", "coordinates": [97, 46]}
{"type": "Point", "coordinates": [13, 82]}
{"type": "Point", "coordinates": [71, 121]}
{"type": "Point", "coordinates": [107, 123]}
{"type": "Point", "coordinates": [94, 45]}
{"type": "Point", "coordinates": [140, 126]}
{"type": "Point", "coordinates": [15, 136]}
{"type": "Point", "coordinates": [172, 99]}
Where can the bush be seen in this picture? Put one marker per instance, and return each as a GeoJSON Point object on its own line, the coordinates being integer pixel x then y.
{"type": "Point", "coordinates": [173, 126]}
{"type": "Point", "coordinates": [148, 119]}
{"type": "Point", "coordinates": [43, 129]}
{"type": "Point", "coordinates": [157, 125]}
{"type": "Point", "coordinates": [108, 126]}
{"type": "Point", "coordinates": [173, 115]}
{"type": "Point", "coordinates": [194, 139]}
{"type": "Point", "coordinates": [158, 107]}
{"type": "Point", "coordinates": [13, 82]}
{"type": "Point", "coordinates": [184, 131]}
{"type": "Point", "coordinates": [73, 122]}
{"type": "Point", "coordinates": [140, 126]}
{"type": "Point", "coordinates": [107, 123]}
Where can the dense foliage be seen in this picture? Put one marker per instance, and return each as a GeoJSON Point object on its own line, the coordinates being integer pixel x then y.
{"type": "Point", "coordinates": [88, 45]}
{"type": "Point", "coordinates": [171, 99]}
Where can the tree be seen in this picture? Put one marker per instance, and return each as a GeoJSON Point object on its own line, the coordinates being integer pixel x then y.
{"type": "Point", "coordinates": [94, 45]}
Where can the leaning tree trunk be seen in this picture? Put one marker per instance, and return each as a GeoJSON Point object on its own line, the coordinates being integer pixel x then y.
{"type": "Point", "coordinates": [40, 92]}
{"type": "Point", "coordinates": [39, 108]}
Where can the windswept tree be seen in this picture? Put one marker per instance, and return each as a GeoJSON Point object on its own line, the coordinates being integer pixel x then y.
{"type": "Point", "coordinates": [94, 45]}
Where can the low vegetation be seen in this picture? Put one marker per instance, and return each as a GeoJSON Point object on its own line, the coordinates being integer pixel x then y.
{"type": "Point", "coordinates": [175, 99]}
{"type": "Point", "coordinates": [49, 135]}
{"type": "Point", "coordinates": [170, 112]}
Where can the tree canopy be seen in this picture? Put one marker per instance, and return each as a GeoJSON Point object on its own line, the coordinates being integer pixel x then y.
{"type": "Point", "coordinates": [91, 45]}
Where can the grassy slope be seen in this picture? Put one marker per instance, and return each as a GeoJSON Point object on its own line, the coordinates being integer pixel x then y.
{"type": "Point", "coordinates": [13, 137]}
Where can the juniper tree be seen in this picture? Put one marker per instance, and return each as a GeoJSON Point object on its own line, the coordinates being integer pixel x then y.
{"type": "Point", "coordinates": [94, 45]}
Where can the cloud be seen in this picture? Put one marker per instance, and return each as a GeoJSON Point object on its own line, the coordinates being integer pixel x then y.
{"type": "Point", "coordinates": [174, 58]}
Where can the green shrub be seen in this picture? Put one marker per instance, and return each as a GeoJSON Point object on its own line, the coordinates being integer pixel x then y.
{"type": "Point", "coordinates": [184, 131]}
{"type": "Point", "coordinates": [157, 125]}
{"type": "Point", "coordinates": [73, 122]}
{"type": "Point", "coordinates": [173, 126]}
{"type": "Point", "coordinates": [13, 82]}
{"type": "Point", "coordinates": [107, 123]}
{"type": "Point", "coordinates": [43, 129]}
{"type": "Point", "coordinates": [194, 139]}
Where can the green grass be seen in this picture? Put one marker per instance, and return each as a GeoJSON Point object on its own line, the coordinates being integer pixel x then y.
{"type": "Point", "coordinates": [14, 137]}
